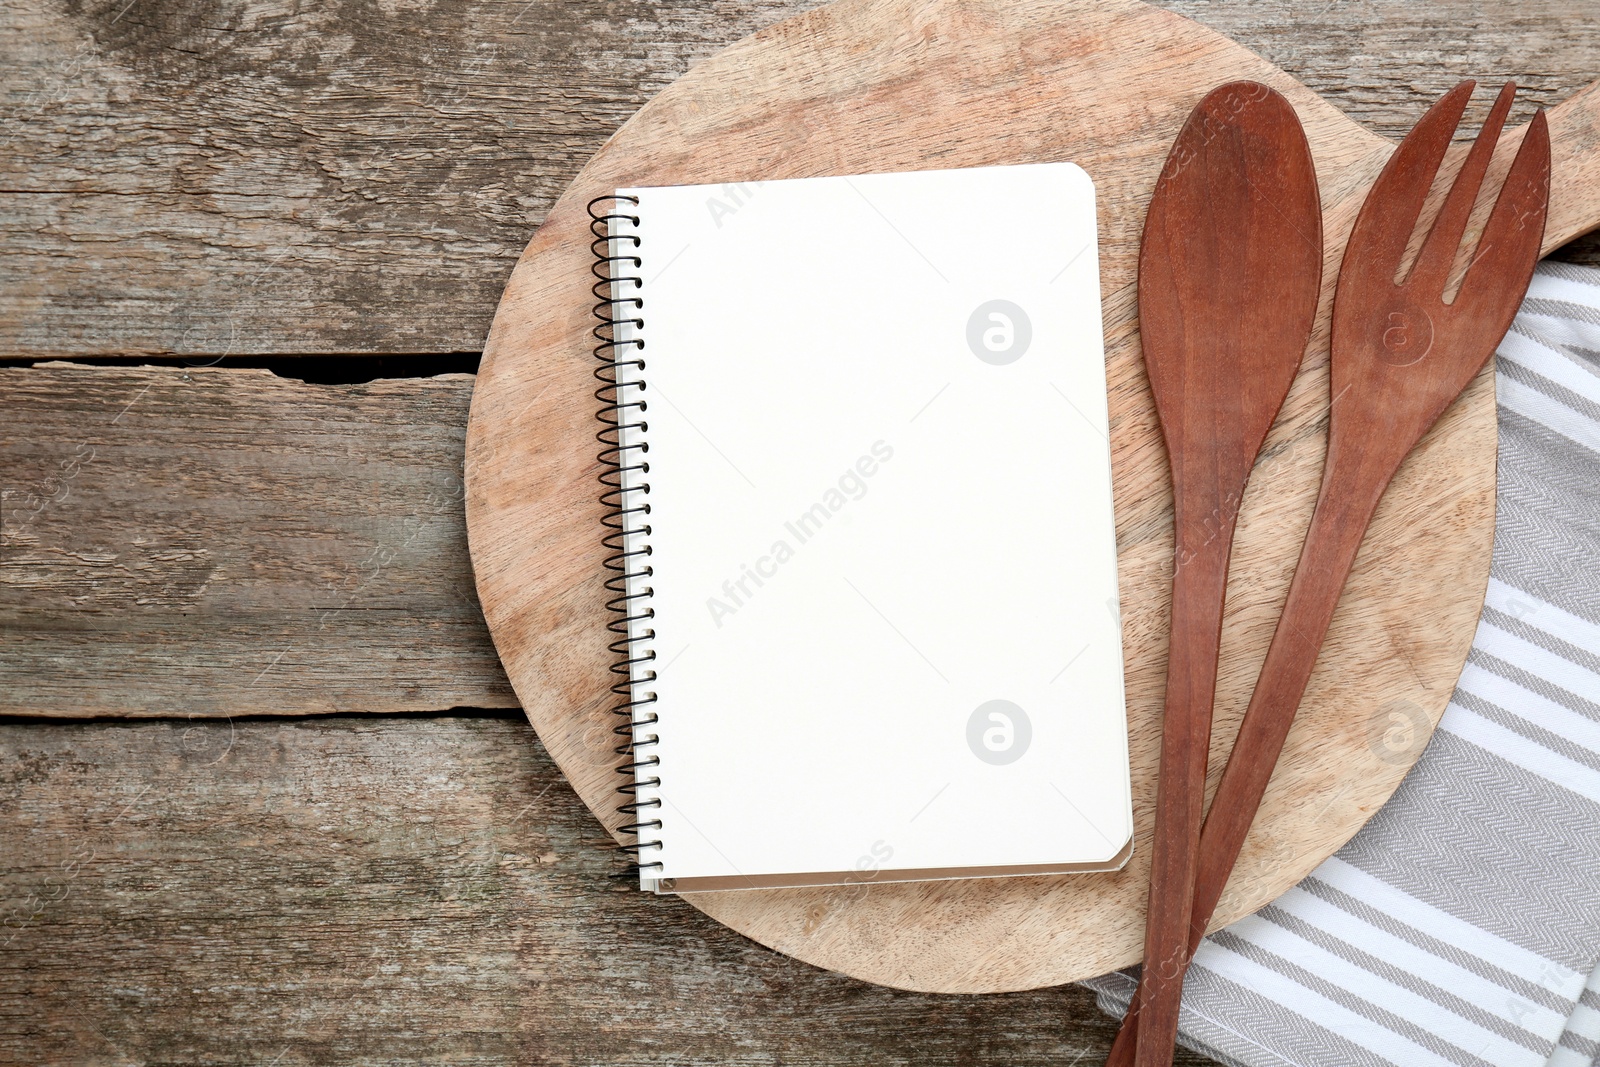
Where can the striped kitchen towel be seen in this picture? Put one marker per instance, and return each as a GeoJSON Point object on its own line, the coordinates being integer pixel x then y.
{"type": "Point", "coordinates": [1461, 926]}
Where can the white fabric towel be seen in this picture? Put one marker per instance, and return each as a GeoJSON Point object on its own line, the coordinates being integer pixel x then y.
{"type": "Point", "coordinates": [1461, 926]}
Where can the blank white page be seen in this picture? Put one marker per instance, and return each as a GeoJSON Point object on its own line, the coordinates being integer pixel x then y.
{"type": "Point", "coordinates": [883, 560]}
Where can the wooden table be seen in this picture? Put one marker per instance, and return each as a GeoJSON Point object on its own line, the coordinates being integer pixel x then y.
{"type": "Point", "coordinates": [265, 794]}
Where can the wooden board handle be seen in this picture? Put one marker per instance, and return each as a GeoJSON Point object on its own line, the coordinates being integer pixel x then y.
{"type": "Point", "coordinates": [1575, 168]}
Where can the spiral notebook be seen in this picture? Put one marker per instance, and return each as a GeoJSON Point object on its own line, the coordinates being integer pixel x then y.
{"type": "Point", "coordinates": [863, 560]}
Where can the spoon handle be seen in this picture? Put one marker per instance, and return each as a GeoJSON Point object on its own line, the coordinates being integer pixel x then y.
{"type": "Point", "coordinates": [1199, 582]}
{"type": "Point", "coordinates": [1345, 506]}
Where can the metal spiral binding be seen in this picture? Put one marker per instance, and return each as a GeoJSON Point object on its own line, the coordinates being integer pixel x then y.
{"type": "Point", "coordinates": [622, 465]}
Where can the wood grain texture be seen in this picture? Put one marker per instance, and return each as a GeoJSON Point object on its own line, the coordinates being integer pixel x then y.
{"type": "Point", "coordinates": [421, 890]}
{"type": "Point", "coordinates": [243, 177]}
{"type": "Point", "coordinates": [1228, 281]}
{"type": "Point", "coordinates": [210, 542]}
{"type": "Point", "coordinates": [257, 177]}
{"type": "Point", "coordinates": [967, 85]}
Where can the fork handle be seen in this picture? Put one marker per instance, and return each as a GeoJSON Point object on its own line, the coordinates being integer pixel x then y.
{"type": "Point", "coordinates": [1345, 506]}
{"type": "Point", "coordinates": [1326, 560]}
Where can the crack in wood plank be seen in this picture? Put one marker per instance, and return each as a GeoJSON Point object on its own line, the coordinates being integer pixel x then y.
{"type": "Point", "coordinates": [219, 541]}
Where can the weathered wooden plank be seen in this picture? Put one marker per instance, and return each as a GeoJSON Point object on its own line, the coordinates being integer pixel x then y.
{"type": "Point", "coordinates": [258, 177]}
{"type": "Point", "coordinates": [217, 541]}
{"type": "Point", "coordinates": [416, 890]}
{"type": "Point", "coordinates": [246, 177]}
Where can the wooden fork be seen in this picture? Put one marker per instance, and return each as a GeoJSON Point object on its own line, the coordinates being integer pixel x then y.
{"type": "Point", "coordinates": [1401, 355]}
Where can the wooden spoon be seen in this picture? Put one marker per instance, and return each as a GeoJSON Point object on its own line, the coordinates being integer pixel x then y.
{"type": "Point", "coordinates": [1401, 355]}
{"type": "Point", "coordinates": [1230, 268]}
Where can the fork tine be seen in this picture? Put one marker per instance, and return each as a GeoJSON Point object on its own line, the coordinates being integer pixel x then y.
{"type": "Point", "coordinates": [1438, 253]}
{"type": "Point", "coordinates": [1514, 234]}
{"type": "Point", "coordinates": [1383, 229]}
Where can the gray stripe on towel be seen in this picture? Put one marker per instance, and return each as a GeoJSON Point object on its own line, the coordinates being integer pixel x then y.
{"type": "Point", "coordinates": [1547, 533]}
{"type": "Point", "coordinates": [1512, 983]}
{"type": "Point", "coordinates": [1571, 272]}
{"type": "Point", "coordinates": [1560, 309]}
{"type": "Point", "coordinates": [1491, 844]}
{"type": "Point", "coordinates": [1346, 999]}
{"type": "Point", "coordinates": [1517, 627]}
{"type": "Point", "coordinates": [1547, 739]}
{"type": "Point", "coordinates": [1582, 1045]}
{"type": "Point", "coordinates": [1403, 978]}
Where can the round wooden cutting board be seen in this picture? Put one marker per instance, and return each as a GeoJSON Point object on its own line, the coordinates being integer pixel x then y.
{"type": "Point", "coordinates": [876, 85]}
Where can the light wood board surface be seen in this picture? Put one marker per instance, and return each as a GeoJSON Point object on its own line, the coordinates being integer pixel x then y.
{"type": "Point", "coordinates": [868, 85]}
